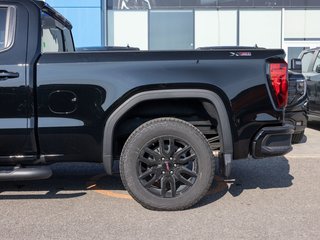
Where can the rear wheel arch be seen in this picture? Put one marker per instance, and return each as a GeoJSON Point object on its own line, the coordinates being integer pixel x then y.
{"type": "Point", "coordinates": [212, 103]}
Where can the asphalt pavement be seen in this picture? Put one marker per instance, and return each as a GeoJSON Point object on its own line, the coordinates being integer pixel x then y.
{"type": "Point", "coordinates": [275, 198]}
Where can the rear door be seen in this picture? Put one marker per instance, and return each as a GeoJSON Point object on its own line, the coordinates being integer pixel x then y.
{"type": "Point", "coordinates": [14, 132]}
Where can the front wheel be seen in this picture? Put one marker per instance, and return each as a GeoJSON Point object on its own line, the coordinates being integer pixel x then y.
{"type": "Point", "coordinates": [167, 164]}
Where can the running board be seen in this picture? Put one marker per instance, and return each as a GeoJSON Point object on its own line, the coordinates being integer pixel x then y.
{"type": "Point", "coordinates": [18, 174]}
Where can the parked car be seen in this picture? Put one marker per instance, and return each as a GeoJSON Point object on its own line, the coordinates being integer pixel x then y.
{"type": "Point", "coordinates": [161, 113]}
{"type": "Point", "coordinates": [310, 68]}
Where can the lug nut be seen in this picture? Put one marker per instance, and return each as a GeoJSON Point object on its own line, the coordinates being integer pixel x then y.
{"type": "Point", "coordinates": [163, 172]}
{"type": "Point", "coordinates": [162, 159]}
{"type": "Point", "coordinates": [171, 172]}
{"type": "Point", "coordinates": [171, 158]}
{"type": "Point", "coordinates": [174, 165]}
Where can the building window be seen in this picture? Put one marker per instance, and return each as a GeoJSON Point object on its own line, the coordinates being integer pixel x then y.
{"type": "Point", "coordinates": [215, 28]}
{"type": "Point", "coordinates": [260, 27]}
{"type": "Point", "coordinates": [128, 28]}
{"type": "Point", "coordinates": [301, 24]}
{"type": "Point", "coordinates": [171, 30]}
{"type": "Point", "coordinates": [165, 4]}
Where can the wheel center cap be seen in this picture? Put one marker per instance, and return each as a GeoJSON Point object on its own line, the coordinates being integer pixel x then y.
{"type": "Point", "coordinates": [167, 166]}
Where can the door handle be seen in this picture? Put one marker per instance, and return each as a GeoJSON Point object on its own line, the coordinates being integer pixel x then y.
{"type": "Point", "coordinates": [4, 75]}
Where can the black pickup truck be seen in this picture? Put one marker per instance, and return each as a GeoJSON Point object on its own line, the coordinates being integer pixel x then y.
{"type": "Point", "coordinates": [166, 115]}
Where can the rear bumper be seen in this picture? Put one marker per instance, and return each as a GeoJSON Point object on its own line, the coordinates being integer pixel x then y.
{"type": "Point", "coordinates": [272, 141]}
{"type": "Point", "coordinates": [298, 119]}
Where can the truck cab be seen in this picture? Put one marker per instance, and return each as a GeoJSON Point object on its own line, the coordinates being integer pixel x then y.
{"type": "Point", "coordinates": [20, 48]}
{"type": "Point", "coordinates": [16, 118]}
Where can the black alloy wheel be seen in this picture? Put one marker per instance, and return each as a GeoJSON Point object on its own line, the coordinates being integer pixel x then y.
{"type": "Point", "coordinates": [167, 164]}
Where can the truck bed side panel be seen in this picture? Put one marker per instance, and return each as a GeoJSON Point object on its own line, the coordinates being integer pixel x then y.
{"type": "Point", "coordinates": [98, 82]}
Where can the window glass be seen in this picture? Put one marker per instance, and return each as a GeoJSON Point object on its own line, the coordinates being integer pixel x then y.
{"type": "Point", "coordinates": [227, 3]}
{"type": "Point", "coordinates": [215, 28]}
{"type": "Point", "coordinates": [3, 16]}
{"type": "Point", "coordinates": [68, 41]}
{"type": "Point", "coordinates": [317, 63]}
{"type": "Point", "coordinates": [271, 3]}
{"type": "Point", "coordinates": [129, 28]}
{"type": "Point", "coordinates": [52, 35]}
{"type": "Point", "coordinates": [161, 4]}
{"type": "Point", "coordinates": [260, 27]}
{"type": "Point", "coordinates": [52, 40]}
{"type": "Point", "coordinates": [306, 59]}
{"type": "Point", "coordinates": [171, 30]}
{"type": "Point", "coordinates": [301, 3]}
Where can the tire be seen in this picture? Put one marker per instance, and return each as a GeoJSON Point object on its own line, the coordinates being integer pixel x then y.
{"type": "Point", "coordinates": [297, 137]}
{"type": "Point", "coordinates": [167, 164]}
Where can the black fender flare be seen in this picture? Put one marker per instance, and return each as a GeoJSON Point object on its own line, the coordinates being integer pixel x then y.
{"type": "Point", "coordinates": [212, 97]}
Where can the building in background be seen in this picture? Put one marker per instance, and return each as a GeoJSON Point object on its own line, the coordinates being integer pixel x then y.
{"type": "Point", "coordinates": [189, 24]}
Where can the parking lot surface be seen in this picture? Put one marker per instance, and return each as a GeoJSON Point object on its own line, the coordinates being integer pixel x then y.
{"type": "Point", "coordinates": [275, 198]}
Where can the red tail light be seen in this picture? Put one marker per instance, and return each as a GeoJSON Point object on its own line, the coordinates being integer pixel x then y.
{"type": "Point", "coordinates": [279, 80]}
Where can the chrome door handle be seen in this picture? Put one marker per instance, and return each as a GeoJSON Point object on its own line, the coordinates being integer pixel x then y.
{"type": "Point", "coordinates": [4, 75]}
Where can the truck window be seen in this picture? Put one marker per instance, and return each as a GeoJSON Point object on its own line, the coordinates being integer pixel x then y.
{"type": "Point", "coordinates": [52, 40]}
{"type": "Point", "coordinates": [306, 60]}
{"type": "Point", "coordinates": [3, 16]}
{"type": "Point", "coordinates": [52, 35]}
{"type": "Point", "coordinates": [7, 28]}
{"type": "Point", "coordinates": [68, 40]}
{"type": "Point", "coordinates": [317, 63]}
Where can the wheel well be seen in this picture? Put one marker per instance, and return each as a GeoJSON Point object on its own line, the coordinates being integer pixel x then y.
{"type": "Point", "coordinates": [199, 112]}
{"type": "Point", "coordinates": [212, 107]}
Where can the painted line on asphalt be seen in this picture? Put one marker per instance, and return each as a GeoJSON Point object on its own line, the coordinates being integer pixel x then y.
{"type": "Point", "coordinates": [221, 185]}
{"type": "Point", "coordinates": [92, 185]}
{"type": "Point", "coordinates": [113, 194]}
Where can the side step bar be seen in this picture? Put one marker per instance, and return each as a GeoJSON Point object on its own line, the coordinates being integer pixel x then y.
{"type": "Point", "coordinates": [20, 173]}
